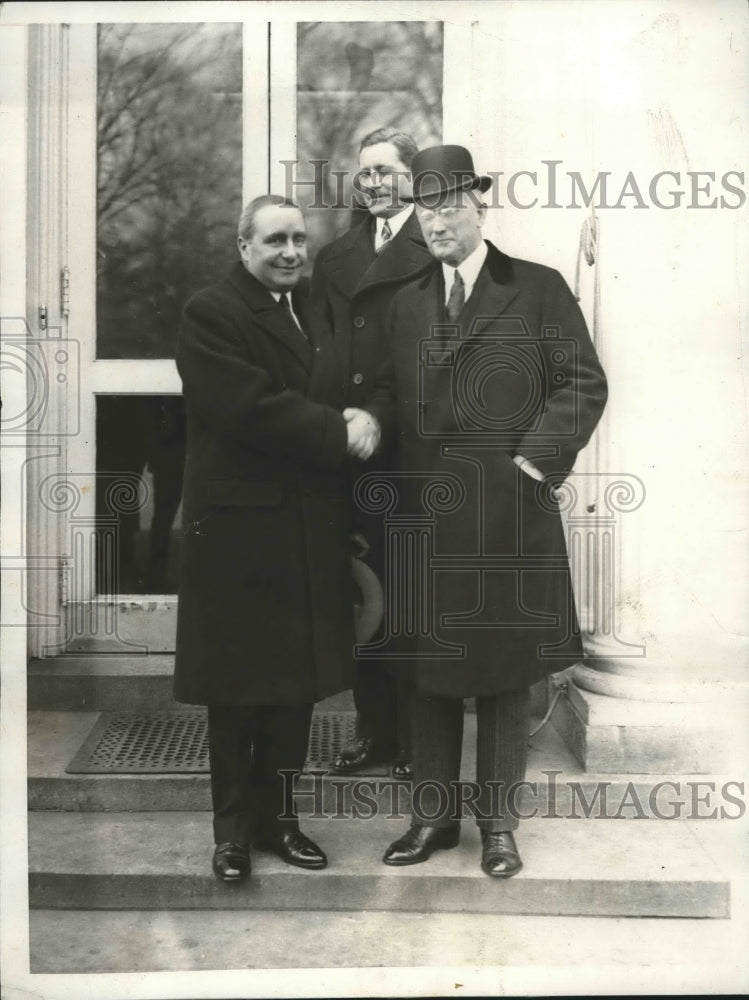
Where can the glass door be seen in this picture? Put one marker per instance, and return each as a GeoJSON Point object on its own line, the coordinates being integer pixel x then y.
{"type": "Point", "coordinates": [156, 122]}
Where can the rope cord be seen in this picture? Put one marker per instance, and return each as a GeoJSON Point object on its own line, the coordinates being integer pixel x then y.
{"type": "Point", "coordinates": [560, 690]}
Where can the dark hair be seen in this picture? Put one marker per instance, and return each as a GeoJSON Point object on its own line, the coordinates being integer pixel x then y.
{"type": "Point", "coordinates": [246, 225]}
{"type": "Point", "coordinates": [402, 141]}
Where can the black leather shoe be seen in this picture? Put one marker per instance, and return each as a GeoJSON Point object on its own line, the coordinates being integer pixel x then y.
{"type": "Point", "coordinates": [418, 843]}
{"type": "Point", "coordinates": [358, 755]}
{"type": "Point", "coordinates": [499, 854]}
{"type": "Point", "coordinates": [231, 862]}
{"type": "Point", "coordinates": [293, 847]}
{"type": "Point", "coordinates": [403, 769]}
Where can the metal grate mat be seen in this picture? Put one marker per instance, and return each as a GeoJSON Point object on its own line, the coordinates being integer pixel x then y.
{"type": "Point", "coordinates": [177, 743]}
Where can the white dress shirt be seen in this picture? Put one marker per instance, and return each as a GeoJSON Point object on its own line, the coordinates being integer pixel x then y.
{"type": "Point", "coordinates": [396, 223]}
{"type": "Point", "coordinates": [277, 297]}
{"type": "Point", "coordinates": [469, 270]}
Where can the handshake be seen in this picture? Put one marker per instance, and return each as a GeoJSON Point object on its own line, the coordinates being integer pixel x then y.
{"type": "Point", "coordinates": [363, 433]}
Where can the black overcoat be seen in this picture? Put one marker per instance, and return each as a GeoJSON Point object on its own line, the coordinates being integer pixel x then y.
{"type": "Point", "coordinates": [265, 610]}
{"type": "Point", "coordinates": [354, 287]}
{"type": "Point", "coordinates": [487, 569]}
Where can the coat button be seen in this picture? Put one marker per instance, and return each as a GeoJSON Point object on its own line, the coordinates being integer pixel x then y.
{"type": "Point", "coordinates": [358, 378]}
{"type": "Point", "coordinates": [359, 322]}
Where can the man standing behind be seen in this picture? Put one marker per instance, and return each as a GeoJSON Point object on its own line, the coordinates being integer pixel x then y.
{"type": "Point", "coordinates": [353, 282]}
{"type": "Point", "coordinates": [492, 386]}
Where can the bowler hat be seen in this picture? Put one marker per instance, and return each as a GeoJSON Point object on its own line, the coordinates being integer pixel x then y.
{"type": "Point", "coordinates": [438, 170]}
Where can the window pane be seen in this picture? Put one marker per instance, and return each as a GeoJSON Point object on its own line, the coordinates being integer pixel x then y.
{"type": "Point", "coordinates": [353, 77]}
{"type": "Point", "coordinates": [140, 457]}
{"type": "Point", "coordinates": [169, 187]}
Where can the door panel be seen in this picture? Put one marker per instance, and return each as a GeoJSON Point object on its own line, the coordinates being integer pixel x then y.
{"type": "Point", "coordinates": [156, 123]}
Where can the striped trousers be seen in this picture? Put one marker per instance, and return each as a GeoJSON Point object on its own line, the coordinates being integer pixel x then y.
{"type": "Point", "coordinates": [438, 799]}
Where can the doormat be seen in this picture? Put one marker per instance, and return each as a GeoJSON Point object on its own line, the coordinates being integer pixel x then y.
{"type": "Point", "coordinates": [177, 743]}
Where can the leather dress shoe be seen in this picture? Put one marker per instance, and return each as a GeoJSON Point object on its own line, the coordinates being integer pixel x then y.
{"type": "Point", "coordinates": [499, 854]}
{"type": "Point", "coordinates": [358, 755]}
{"type": "Point", "coordinates": [293, 847]}
{"type": "Point", "coordinates": [403, 769]}
{"type": "Point", "coordinates": [418, 843]}
{"type": "Point", "coordinates": [231, 861]}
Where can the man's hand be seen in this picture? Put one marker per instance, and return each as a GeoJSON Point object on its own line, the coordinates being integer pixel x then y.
{"type": "Point", "coordinates": [363, 432]}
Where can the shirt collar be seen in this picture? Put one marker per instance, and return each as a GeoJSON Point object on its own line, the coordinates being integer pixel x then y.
{"type": "Point", "coordinates": [469, 270]}
{"type": "Point", "coordinates": [396, 222]}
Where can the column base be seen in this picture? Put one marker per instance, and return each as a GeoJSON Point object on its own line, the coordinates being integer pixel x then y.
{"type": "Point", "coordinates": [624, 735]}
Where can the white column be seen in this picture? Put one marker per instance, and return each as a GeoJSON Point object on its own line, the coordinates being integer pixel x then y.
{"type": "Point", "coordinates": [638, 89]}
{"type": "Point", "coordinates": [671, 321]}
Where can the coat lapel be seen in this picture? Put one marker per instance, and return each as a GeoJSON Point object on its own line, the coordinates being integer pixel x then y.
{"type": "Point", "coordinates": [270, 316]}
{"type": "Point", "coordinates": [493, 293]}
{"type": "Point", "coordinates": [404, 258]}
{"type": "Point", "coordinates": [355, 267]}
{"type": "Point", "coordinates": [352, 256]}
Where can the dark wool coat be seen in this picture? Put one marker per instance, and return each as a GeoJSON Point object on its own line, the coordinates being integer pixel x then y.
{"type": "Point", "coordinates": [354, 287]}
{"type": "Point", "coordinates": [265, 602]}
{"type": "Point", "coordinates": [518, 376]}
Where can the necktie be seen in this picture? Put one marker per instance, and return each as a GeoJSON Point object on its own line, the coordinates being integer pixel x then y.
{"type": "Point", "coordinates": [385, 236]}
{"type": "Point", "coordinates": [286, 304]}
{"type": "Point", "coordinates": [457, 298]}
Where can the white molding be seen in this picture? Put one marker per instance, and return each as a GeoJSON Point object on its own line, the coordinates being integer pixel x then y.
{"type": "Point", "coordinates": [46, 214]}
{"type": "Point", "coordinates": [134, 377]}
{"type": "Point", "coordinates": [283, 80]}
{"type": "Point", "coordinates": [256, 125]}
{"type": "Point", "coordinates": [13, 279]}
{"type": "Point", "coordinates": [14, 947]}
{"type": "Point", "coordinates": [135, 624]}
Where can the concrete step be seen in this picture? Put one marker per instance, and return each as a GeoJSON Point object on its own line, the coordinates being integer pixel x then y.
{"type": "Point", "coordinates": [157, 861]}
{"type": "Point", "coordinates": [487, 954]}
{"type": "Point", "coordinates": [101, 682]}
{"type": "Point", "coordinates": [559, 787]}
{"type": "Point", "coordinates": [110, 682]}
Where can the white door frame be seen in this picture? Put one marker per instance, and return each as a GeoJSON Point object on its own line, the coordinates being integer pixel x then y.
{"type": "Point", "coordinates": [62, 263]}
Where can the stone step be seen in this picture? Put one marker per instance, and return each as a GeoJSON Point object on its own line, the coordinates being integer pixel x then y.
{"type": "Point", "coordinates": [101, 682]}
{"type": "Point", "coordinates": [157, 861]}
{"type": "Point", "coordinates": [559, 787]}
{"type": "Point", "coordinates": [387, 950]}
{"type": "Point", "coordinates": [109, 682]}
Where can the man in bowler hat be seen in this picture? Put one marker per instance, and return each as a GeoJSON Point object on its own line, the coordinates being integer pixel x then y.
{"type": "Point", "coordinates": [492, 387]}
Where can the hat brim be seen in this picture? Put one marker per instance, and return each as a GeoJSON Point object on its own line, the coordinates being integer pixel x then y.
{"type": "Point", "coordinates": [480, 182]}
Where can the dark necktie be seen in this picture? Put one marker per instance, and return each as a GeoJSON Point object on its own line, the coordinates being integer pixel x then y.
{"type": "Point", "coordinates": [457, 298]}
{"type": "Point", "coordinates": [284, 302]}
{"type": "Point", "coordinates": [385, 236]}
